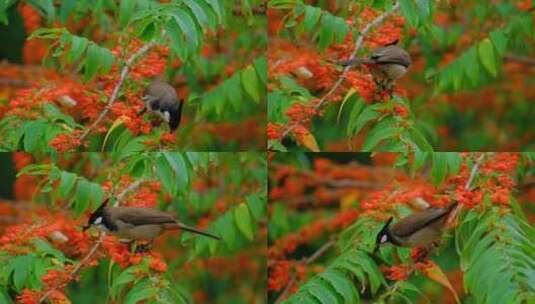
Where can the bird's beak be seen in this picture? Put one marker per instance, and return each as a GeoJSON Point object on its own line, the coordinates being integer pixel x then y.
{"type": "Point", "coordinates": [376, 248]}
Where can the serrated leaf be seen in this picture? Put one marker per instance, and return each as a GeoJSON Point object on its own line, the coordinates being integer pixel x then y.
{"type": "Point", "coordinates": [243, 221]}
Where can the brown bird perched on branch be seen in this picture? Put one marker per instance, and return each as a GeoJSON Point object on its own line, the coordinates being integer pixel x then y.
{"type": "Point", "coordinates": [387, 64]}
{"type": "Point", "coordinates": [418, 229]}
{"type": "Point", "coordinates": [161, 99]}
{"type": "Point", "coordinates": [137, 224]}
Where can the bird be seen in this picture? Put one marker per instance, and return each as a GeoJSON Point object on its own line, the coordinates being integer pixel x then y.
{"type": "Point", "coordinates": [387, 64]}
{"type": "Point", "coordinates": [137, 224]}
{"type": "Point", "coordinates": [418, 229]}
{"type": "Point", "coordinates": [160, 98]}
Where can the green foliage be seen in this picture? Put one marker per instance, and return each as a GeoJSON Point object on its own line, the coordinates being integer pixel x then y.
{"type": "Point", "coordinates": [34, 136]}
{"type": "Point", "coordinates": [480, 63]}
{"type": "Point", "coordinates": [337, 283]}
{"type": "Point", "coordinates": [506, 243]}
{"type": "Point", "coordinates": [246, 85]}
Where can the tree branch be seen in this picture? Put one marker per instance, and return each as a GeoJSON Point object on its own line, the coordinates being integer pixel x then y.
{"type": "Point", "coordinates": [358, 44]}
{"type": "Point", "coordinates": [133, 186]}
{"type": "Point", "coordinates": [113, 97]}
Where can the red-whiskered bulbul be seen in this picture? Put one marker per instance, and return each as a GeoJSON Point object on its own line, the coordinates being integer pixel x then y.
{"type": "Point", "coordinates": [135, 223]}
{"type": "Point", "coordinates": [160, 98]}
{"type": "Point", "coordinates": [418, 229]}
{"type": "Point", "coordinates": [387, 64]}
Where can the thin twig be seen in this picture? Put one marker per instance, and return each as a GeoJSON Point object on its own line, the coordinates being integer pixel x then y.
{"type": "Point", "coordinates": [115, 92]}
{"type": "Point", "coordinates": [133, 186]}
{"type": "Point", "coordinates": [358, 44]}
{"type": "Point", "coordinates": [468, 184]}
{"type": "Point", "coordinates": [316, 255]}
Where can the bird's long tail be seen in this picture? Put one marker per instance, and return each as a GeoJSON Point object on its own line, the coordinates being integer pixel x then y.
{"type": "Point", "coordinates": [194, 230]}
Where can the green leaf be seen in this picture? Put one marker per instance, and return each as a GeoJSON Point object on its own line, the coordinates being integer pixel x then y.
{"type": "Point", "coordinates": [322, 292]}
{"type": "Point", "coordinates": [499, 40]}
{"type": "Point", "coordinates": [46, 7]}
{"type": "Point", "coordinates": [92, 62]}
{"type": "Point", "coordinates": [198, 12]}
{"type": "Point", "coordinates": [257, 205]}
{"type": "Point", "coordinates": [165, 175]}
{"type": "Point", "coordinates": [178, 164]}
{"type": "Point", "coordinates": [440, 167]}
{"type": "Point", "coordinates": [454, 162]}
{"type": "Point", "coordinates": [341, 284]}
{"type": "Point", "coordinates": [78, 46]}
{"type": "Point", "coordinates": [368, 114]}
{"type": "Point", "coordinates": [126, 8]}
{"type": "Point", "coordinates": [409, 11]}
{"type": "Point", "coordinates": [66, 184]}
{"type": "Point", "coordinates": [379, 134]}
{"type": "Point", "coordinates": [243, 221]}
{"type": "Point", "coordinates": [82, 196]}
{"type": "Point", "coordinates": [486, 55]}
{"type": "Point", "coordinates": [250, 83]}
{"type": "Point", "coordinates": [20, 267]}
{"type": "Point", "coordinates": [327, 31]}
{"type": "Point", "coordinates": [419, 139]}
{"type": "Point", "coordinates": [139, 292]}
{"type": "Point", "coordinates": [188, 27]}
{"type": "Point", "coordinates": [312, 16]}
{"type": "Point", "coordinates": [33, 135]}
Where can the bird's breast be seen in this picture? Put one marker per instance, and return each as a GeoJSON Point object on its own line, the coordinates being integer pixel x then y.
{"type": "Point", "coordinates": [393, 71]}
{"type": "Point", "coordinates": [141, 232]}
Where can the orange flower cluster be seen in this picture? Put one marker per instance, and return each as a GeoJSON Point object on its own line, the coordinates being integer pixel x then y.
{"type": "Point", "coordinates": [280, 272]}
{"type": "Point", "coordinates": [274, 131]}
{"type": "Point", "coordinates": [58, 278]}
{"type": "Point", "coordinates": [66, 142]}
{"type": "Point", "coordinates": [60, 231]}
{"type": "Point", "coordinates": [168, 138]}
{"type": "Point", "coordinates": [399, 272]}
{"type": "Point", "coordinates": [310, 232]}
{"type": "Point", "coordinates": [120, 253]}
{"type": "Point", "coordinates": [29, 296]}
{"type": "Point", "coordinates": [299, 112]}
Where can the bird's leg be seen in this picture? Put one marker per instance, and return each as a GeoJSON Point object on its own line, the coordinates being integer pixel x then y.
{"type": "Point", "coordinates": [144, 247]}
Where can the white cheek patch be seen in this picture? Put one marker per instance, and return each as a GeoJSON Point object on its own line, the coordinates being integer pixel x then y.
{"type": "Point", "coordinates": [98, 220]}
{"type": "Point", "coordinates": [384, 238]}
{"type": "Point", "coordinates": [166, 116]}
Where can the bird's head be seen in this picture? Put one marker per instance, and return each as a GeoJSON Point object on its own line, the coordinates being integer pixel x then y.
{"type": "Point", "coordinates": [97, 217]}
{"type": "Point", "coordinates": [383, 236]}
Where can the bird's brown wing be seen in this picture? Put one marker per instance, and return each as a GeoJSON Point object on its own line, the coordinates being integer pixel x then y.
{"type": "Point", "coordinates": [391, 54]}
{"type": "Point", "coordinates": [414, 222]}
{"type": "Point", "coordinates": [142, 216]}
{"type": "Point", "coordinates": [160, 89]}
